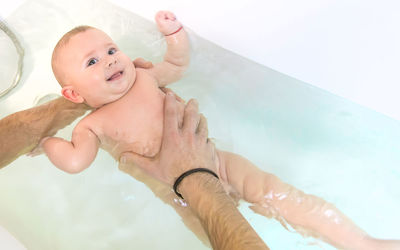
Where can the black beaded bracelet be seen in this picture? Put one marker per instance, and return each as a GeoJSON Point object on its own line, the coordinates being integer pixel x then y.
{"type": "Point", "coordinates": [189, 172]}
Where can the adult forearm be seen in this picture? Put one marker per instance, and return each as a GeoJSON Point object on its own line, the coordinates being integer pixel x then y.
{"type": "Point", "coordinates": [225, 226]}
{"type": "Point", "coordinates": [22, 131]}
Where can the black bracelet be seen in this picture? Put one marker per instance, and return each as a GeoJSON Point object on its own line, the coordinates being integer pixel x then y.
{"type": "Point", "coordinates": [189, 172]}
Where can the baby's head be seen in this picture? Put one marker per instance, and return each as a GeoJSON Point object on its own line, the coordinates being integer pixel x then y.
{"type": "Point", "coordinates": [90, 68]}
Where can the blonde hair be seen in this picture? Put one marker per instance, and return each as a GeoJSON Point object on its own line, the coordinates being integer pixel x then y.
{"type": "Point", "coordinates": [61, 43]}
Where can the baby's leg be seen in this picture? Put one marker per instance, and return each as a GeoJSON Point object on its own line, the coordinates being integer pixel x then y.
{"type": "Point", "coordinates": [307, 214]}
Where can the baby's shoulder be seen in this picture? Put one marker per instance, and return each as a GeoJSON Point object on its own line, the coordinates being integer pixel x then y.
{"type": "Point", "coordinates": [145, 75]}
{"type": "Point", "coordinates": [89, 122]}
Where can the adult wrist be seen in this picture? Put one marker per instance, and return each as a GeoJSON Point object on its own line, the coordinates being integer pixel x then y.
{"type": "Point", "coordinates": [199, 186]}
{"type": "Point", "coordinates": [190, 172]}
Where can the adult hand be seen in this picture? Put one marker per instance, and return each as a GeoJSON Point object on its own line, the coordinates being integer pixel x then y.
{"type": "Point", "coordinates": [141, 63]}
{"type": "Point", "coordinates": [183, 147]}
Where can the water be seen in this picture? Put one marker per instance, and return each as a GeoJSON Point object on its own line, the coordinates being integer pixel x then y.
{"type": "Point", "coordinates": [318, 142]}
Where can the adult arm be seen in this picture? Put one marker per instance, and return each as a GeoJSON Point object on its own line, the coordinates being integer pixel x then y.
{"type": "Point", "coordinates": [22, 131]}
{"type": "Point", "coordinates": [187, 148]}
{"type": "Point", "coordinates": [224, 224]}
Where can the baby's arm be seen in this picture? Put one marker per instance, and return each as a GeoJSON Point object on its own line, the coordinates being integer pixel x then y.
{"type": "Point", "coordinates": [176, 59]}
{"type": "Point", "coordinates": [73, 156]}
{"type": "Point", "coordinates": [22, 131]}
{"type": "Point", "coordinates": [308, 214]}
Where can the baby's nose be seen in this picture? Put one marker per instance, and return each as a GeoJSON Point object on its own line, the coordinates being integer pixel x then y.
{"type": "Point", "coordinates": [113, 61]}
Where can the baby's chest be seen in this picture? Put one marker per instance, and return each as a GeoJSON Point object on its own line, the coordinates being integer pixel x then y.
{"type": "Point", "coordinates": [133, 123]}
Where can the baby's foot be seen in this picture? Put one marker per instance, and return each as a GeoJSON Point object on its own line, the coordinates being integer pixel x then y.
{"type": "Point", "coordinates": [167, 22]}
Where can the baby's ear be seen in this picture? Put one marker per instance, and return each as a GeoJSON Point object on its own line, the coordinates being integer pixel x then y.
{"type": "Point", "coordinates": [72, 95]}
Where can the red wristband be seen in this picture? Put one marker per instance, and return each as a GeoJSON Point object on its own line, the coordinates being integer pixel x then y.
{"type": "Point", "coordinates": [175, 31]}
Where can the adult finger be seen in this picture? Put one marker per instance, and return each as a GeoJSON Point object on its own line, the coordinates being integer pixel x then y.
{"type": "Point", "coordinates": [168, 90]}
{"type": "Point", "coordinates": [128, 159]}
{"type": "Point", "coordinates": [202, 129]}
{"type": "Point", "coordinates": [211, 146]}
{"type": "Point", "coordinates": [180, 108]}
{"type": "Point", "coordinates": [142, 63]}
{"type": "Point", "coordinates": [170, 115]}
{"type": "Point", "coordinates": [191, 117]}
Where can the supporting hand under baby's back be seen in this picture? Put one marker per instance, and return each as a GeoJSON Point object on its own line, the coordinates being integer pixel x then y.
{"type": "Point", "coordinates": [167, 22]}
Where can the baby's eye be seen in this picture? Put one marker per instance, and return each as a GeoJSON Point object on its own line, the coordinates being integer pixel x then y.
{"type": "Point", "coordinates": [112, 51]}
{"type": "Point", "coordinates": [92, 61]}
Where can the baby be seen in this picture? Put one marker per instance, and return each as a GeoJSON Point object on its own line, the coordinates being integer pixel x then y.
{"type": "Point", "coordinates": [128, 116]}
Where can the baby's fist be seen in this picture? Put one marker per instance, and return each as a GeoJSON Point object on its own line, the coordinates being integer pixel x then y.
{"type": "Point", "coordinates": [167, 22]}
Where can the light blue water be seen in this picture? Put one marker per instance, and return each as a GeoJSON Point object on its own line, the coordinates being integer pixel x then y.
{"type": "Point", "coordinates": [318, 142]}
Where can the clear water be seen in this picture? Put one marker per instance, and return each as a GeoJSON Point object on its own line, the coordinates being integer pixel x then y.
{"type": "Point", "coordinates": [318, 142]}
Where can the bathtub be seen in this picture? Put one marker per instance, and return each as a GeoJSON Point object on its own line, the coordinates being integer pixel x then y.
{"type": "Point", "coordinates": [317, 141]}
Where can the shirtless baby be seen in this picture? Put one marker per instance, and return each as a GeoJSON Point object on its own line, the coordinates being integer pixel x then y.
{"type": "Point", "coordinates": [128, 117]}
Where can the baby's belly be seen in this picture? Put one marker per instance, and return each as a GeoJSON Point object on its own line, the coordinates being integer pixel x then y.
{"type": "Point", "coordinates": [146, 147]}
{"type": "Point", "coordinates": [140, 133]}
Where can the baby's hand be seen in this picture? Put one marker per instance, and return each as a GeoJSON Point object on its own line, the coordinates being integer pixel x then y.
{"type": "Point", "coordinates": [167, 22]}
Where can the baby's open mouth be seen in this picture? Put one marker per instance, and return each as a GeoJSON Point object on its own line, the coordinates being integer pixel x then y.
{"type": "Point", "coordinates": [115, 76]}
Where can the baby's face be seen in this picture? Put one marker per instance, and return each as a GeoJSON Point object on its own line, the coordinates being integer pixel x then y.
{"type": "Point", "coordinates": [95, 67]}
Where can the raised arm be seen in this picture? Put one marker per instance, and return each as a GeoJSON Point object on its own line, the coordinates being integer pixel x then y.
{"type": "Point", "coordinates": [76, 155]}
{"type": "Point", "coordinates": [177, 57]}
{"type": "Point", "coordinates": [22, 131]}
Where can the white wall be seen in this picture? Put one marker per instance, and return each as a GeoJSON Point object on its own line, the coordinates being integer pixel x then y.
{"type": "Point", "coordinates": [348, 47]}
